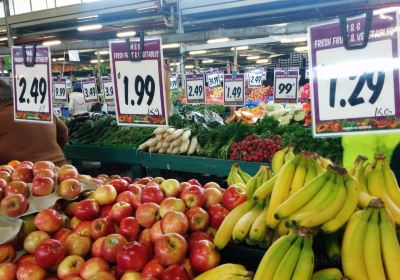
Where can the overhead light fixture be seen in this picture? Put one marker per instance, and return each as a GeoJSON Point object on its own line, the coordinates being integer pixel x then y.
{"type": "Point", "coordinates": [253, 57]}
{"type": "Point", "coordinates": [126, 34]}
{"type": "Point", "coordinates": [174, 64]}
{"type": "Point", "coordinates": [94, 61]}
{"type": "Point", "coordinates": [51, 43]}
{"type": "Point", "coordinates": [189, 66]}
{"type": "Point", "coordinates": [90, 27]}
{"type": "Point", "coordinates": [170, 46]}
{"type": "Point", "coordinates": [60, 59]}
{"type": "Point", "coordinates": [275, 55]}
{"type": "Point", "coordinates": [3, 30]}
{"type": "Point", "coordinates": [208, 61]}
{"type": "Point", "coordinates": [219, 40]}
{"type": "Point", "coordinates": [301, 49]}
{"type": "Point", "coordinates": [101, 52]}
{"type": "Point", "coordinates": [54, 59]}
{"type": "Point", "coordinates": [88, 17]}
{"type": "Point", "coordinates": [262, 61]}
{"type": "Point", "coordinates": [5, 71]}
{"type": "Point", "coordinates": [294, 40]}
{"type": "Point", "coordinates": [241, 48]}
{"type": "Point", "coordinates": [197, 52]}
{"type": "Point", "coordinates": [3, 38]}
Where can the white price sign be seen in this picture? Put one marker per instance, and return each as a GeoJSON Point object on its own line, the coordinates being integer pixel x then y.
{"type": "Point", "coordinates": [234, 90]}
{"type": "Point", "coordinates": [195, 88]}
{"type": "Point", "coordinates": [286, 85]}
{"type": "Point", "coordinates": [32, 84]}
{"type": "Point", "coordinates": [172, 82]}
{"type": "Point", "coordinates": [213, 78]}
{"type": "Point", "coordinates": [108, 88]}
{"type": "Point", "coordinates": [255, 79]}
{"type": "Point", "coordinates": [356, 89]}
{"type": "Point", "coordinates": [60, 90]}
{"type": "Point", "coordinates": [139, 91]}
{"type": "Point", "coordinates": [89, 89]}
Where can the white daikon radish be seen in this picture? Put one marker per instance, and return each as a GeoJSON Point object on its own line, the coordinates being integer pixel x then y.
{"type": "Point", "coordinates": [169, 150]}
{"type": "Point", "coordinates": [160, 130]}
{"type": "Point", "coordinates": [193, 145]}
{"type": "Point", "coordinates": [159, 137]}
{"type": "Point", "coordinates": [198, 148]}
{"type": "Point", "coordinates": [170, 130]}
{"type": "Point", "coordinates": [142, 146]}
{"type": "Point", "coordinates": [175, 150]}
{"type": "Point", "coordinates": [176, 142]}
{"type": "Point", "coordinates": [152, 150]}
{"type": "Point", "coordinates": [165, 144]}
{"type": "Point", "coordinates": [178, 133]}
{"type": "Point", "coordinates": [184, 147]}
{"type": "Point", "coordinates": [186, 135]}
{"type": "Point", "coordinates": [159, 145]}
{"type": "Point", "coordinates": [162, 150]}
{"type": "Point", "coordinates": [151, 142]}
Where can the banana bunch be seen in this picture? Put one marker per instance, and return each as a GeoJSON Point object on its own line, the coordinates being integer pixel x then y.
{"type": "Point", "coordinates": [281, 157]}
{"type": "Point", "coordinates": [289, 257]}
{"type": "Point", "coordinates": [262, 176]}
{"type": "Point", "coordinates": [227, 271]}
{"type": "Point", "coordinates": [328, 274]}
{"type": "Point", "coordinates": [237, 176]}
{"type": "Point", "coordinates": [370, 248]}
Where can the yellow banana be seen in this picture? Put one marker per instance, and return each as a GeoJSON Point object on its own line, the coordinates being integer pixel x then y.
{"type": "Point", "coordinates": [302, 197]}
{"type": "Point", "coordinates": [372, 249]}
{"type": "Point", "coordinates": [264, 190]}
{"type": "Point", "coordinates": [258, 229]}
{"type": "Point", "coordinates": [305, 265]}
{"type": "Point", "coordinates": [272, 258]}
{"type": "Point", "coordinates": [391, 186]}
{"type": "Point", "coordinates": [290, 154]}
{"type": "Point", "coordinates": [288, 264]}
{"type": "Point", "coordinates": [349, 205]}
{"type": "Point", "coordinates": [233, 176]}
{"type": "Point", "coordinates": [365, 200]}
{"type": "Point", "coordinates": [224, 269]}
{"type": "Point", "coordinates": [257, 180]}
{"type": "Point", "coordinates": [243, 225]}
{"type": "Point", "coordinates": [278, 160]}
{"type": "Point", "coordinates": [280, 190]}
{"type": "Point", "coordinates": [250, 242]}
{"type": "Point", "coordinates": [389, 246]}
{"type": "Point", "coordinates": [266, 241]}
{"type": "Point", "coordinates": [353, 246]}
{"type": "Point", "coordinates": [311, 171]}
{"type": "Point", "coordinates": [235, 277]}
{"type": "Point", "coordinates": [282, 228]}
{"type": "Point", "coordinates": [224, 232]}
{"type": "Point", "coordinates": [328, 274]}
{"type": "Point", "coordinates": [324, 162]}
{"type": "Point", "coordinates": [359, 172]}
{"type": "Point", "coordinates": [245, 177]}
{"type": "Point", "coordinates": [298, 178]}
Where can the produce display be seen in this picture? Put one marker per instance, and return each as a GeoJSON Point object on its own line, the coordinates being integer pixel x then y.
{"type": "Point", "coordinates": [260, 93]}
{"type": "Point", "coordinates": [214, 95]}
{"type": "Point", "coordinates": [290, 113]}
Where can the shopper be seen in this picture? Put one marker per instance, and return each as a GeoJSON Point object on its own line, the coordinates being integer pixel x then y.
{"type": "Point", "coordinates": [77, 104]}
{"type": "Point", "coordinates": [28, 141]}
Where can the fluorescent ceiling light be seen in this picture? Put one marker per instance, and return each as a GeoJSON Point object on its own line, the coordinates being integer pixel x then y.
{"type": "Point", "coordinates": [3, 38]}
{"type": "Point", "coordinates": [60, 59]}
{"type": "Point", "coordinates": [301, 49]}
{"type": "Point", "coordinates": [386, 10]}
{"type": "Point", "coordinates": [275, 55]}
{"type": "Point", "coordinates": [174, 63]}
{"type": "Point", "coordinates": [3, 30]}
{"type": "Point", "coordinates": [219, 40]}
{"type": "Point", "coordinates": [253, 57]}
{"type": "Point", "coordinates": [5, 71]}
{"type": "Point", "coordinates": [101, 52]}
{"type": "Point", "coordinates": [189, 66]}
{"type": "Point", "coordinates": [54, 59]}
{"type": "Point", "coordinates": [207, 61]}
{"type": "Point", "coordinates": [197, 52]}
{"type": "Point", "coordinates": [294, 40]}
{"type": "Point", "coordinates": [170, 46]}
{"type": "Point", "coordinates": [241, 48]}
{"type": "Point", "coordinates": [126, 34]}
{"type": "Point", "coordinates": [90, 27]}
{"type": "Point", "coordinates": [94, 61]}
{"type": "Point", "coordinates": [88, 17]}
{"type": "Point", "coordinates": [262, 61]}
{"type": "Point", "coordinates": [51, 43]}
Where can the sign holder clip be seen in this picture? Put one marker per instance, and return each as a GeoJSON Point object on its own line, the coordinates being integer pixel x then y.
{"type": "Point", "coordinates": [367, 29]}
{"type": "Point", "coordinates": [33, 62]}
{"type": "Point", "coordinates": [141, 48]}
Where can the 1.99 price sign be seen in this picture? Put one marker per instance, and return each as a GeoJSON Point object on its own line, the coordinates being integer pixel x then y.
{"type": "Point", "coordinates": [89, 90]}
{"type": "Point", "coordinates": [32, 85]}
{"type": "Point", "coordinates": [108, 88]}
{"type": "Point", "coordinates": [139, 91]}
{"type": "Point", "coordinates": [286, 83]}
{"type": "Point", "coordinates": [234, 90]}
{"type": "Point", "coordinates": [355, 90]}
{"type": "Point", "coordinates": [195, 88]}
{"type": "Point", "coordinates": [60, 90]}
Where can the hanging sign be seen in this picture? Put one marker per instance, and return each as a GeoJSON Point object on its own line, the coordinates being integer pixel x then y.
{"type": "Point", "coordinates": [286, 82]}
{"type": "Point", "coordinates": [234, 90]}
{"type": "Point", "coordinates": [108, 88]}
{"type": "Point", "coordinates": [173, 82]}
{"type": "Point", "coordinates": [89, 90]}
{"type": "Point", "coordinates": [32, 84]}
{"type": "Point", "coordinates": [355, 77]}
{"type": "Point", "coordinates": [137, 72]}
{"type": "Point", "coordinates": [195, 88]}
{"type": "Point", "coordinates": [255, 78]}
{"type": "Point", "coordinates": [213, 78]}
{"type": "Point", "coordinates": [60, 89]}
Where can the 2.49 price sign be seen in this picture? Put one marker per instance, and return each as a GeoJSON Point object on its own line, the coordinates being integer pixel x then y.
{"type": "Point", "coordinates": [32, 84]}
{"type": "Point", "coordinates": [195, 88]}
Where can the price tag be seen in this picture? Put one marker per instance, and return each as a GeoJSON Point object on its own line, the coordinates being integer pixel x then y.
{"type": "Point", "coordinates": [32, 85]}
{"type": "Point", "coordinates": [234, 90]}
{"type": "Point", "coordinates": [139, 91]}
{"type": "Point", "coordinates": [89, 90]}
{"type": "Point", "coordinates": [195, 88]}
{"type": "Point", "coordinates": [213, 78]}
{"type": "Point", "coordinates": [307, 73]}
{"type": "Point", "coordinates": [60, 90]}
{"type": "Point", "coordinates": [357, 90]}
{"type": "Point", "coordinates": [255, 78]}
{"type": "Point", "coordinates": [108, 88]}
{"type": "Point", "coordinates": [286, 85]}
{"type": "Point", "coordinates": [172, 82]}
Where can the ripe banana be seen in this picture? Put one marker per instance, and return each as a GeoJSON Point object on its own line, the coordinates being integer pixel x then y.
{"type": "Point", "coordinates": [305, 265]}
{"type": "Point", "coordinates": [243, 225]}
{"type": "Point", "coordinates": [218, 272]}
{"type": "Point", "coordinates": [266, 241]}
{"type": "Point", "coordinates": [235, 277]}
{"type": "Point", "coordinates": [233, 176]}
{"type": "Point", "coordinates": [259, 229]}
{"type": "Point", "coordinates": [391, 186]}
{"type": "Point", "coordinates": [372, 250]}
{"type": "Point", "coordinates": [353, 246]}
{"type": "Point", "coordinates": [278, 160]}
{"type": "Point", "coordinates": [290, 154]}
{"type": "Point", "coordinates": [299, 177]}
{"type": "Point", "coordinates": [311, 171]}
{"type": "Point", "coordinates": [328, 274]}
{"type": "Point", "coordinates": [288, 264]}
{"type": "Point", "coordinates": [282, 227]}
{"type": "Point", "coordinates": [264, 190]}
{"type": "Point", "coordinates": [224, 232]}
{"type": "Point", "coordinates": [257, 180]}
{"type": "Point", "coordinates": [245, 177]}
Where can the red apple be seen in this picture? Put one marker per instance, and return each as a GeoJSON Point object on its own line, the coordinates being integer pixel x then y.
{"type": "Point", "coordinates": [153, 269]}
{"type": "Point", "coordinates": [170, 249]}
{"type": "Point", "coordinates": [44, 164]}
{"type": "Point", "coordinates": [152, 194]}
{"type": "Point", "coordinates": [145, 180]}
{"type": "Point", "coordinates": [111, 244]}
{"type": "Point", "coordinates": [73, 277]}
{"type": "Point", "coordinates": [193, 196]}
{"type": "Point", "coordinates": [14, 205]}
{"type": "Point", "coordinates": [70, 266]}
{"type": "Point", "coordinates": [15, 187]}
{"type": "Point", "coordinates": [30, 271]}
{"type": "Point", "coordinates": [126, 196]}
{"type": "Point", "coordinates": [172, 204]}
{"type": "Point", "coordinates": [128, 179]}
{"type": "Point", "coordinates": [101, 227]}
{"type": "Point", "coordinates": [132, 275]}
{"type": "Point", "coordinates": [92, 266]}
{"type": "Point", "coordinates": [105, 194]}
{"type": "Point", "coordinates": [213, 196]}
{"type": "Point", "coordinates": [62, 234]}
{"type": "Point", "coordinates": [171, 187]}
{"type": "Point", "coordinates": [198, 218]}
{"type": "Point", "coordinates": [5, 175]}
{"type": "Point", "coordinates": [156, 231]}
{"type": "Point", "coordinates": [217, 214]}
{"type": "Point", "coordinates": [194, 182]}
{"type": "Point", "coordinates": [42, 186]}
{"type": "Point", "coordinates": [120, 210]}
{"type": "Point", "coordinates": [129, 228]}
{"type": "Point", "coordinates": [120, 185]}
{"type": "Point", "coordinates": [49, 253]}
{"type": "Point", "coordinates": [135, 188]}
{"type": "Point", "coordinates": [145, 239]}
{"type": "Point", "coordinates": [48, 220]}
{"type": "Point", "coordinates": [3, 183]}
{"type": "Point", "coordinates": [22, 174]}
{"type": "Point", "coordinates": [45, 173]}
{"type": "Point", "coordinates": [7, 253]}
{"type": "Point", "coordinates": [198, 235]}
{"type": "Point", "coordinates": [69, 209]}
{"type": "Point", "coordinates": [8, 271]}
{"type": "Point", "coordinates": [175, 222]}
{"type": "Point", "coordinates": [69, 188]}
{"type": "Point", "coordinates": [188, 268]}
{"type": "Point", "coordinates": [74, 222]}
{"type": "Point", "coordinates": [76, 244]}
{"type": "Point", "coordinates": [96, 247]}
{"type": "Point", "coordinates": [87, 210]}
{"type": "Point", "coordinates": [105, 211]}
{"type": "Point", "coordinates": [204, 256]}
{"type": "Point", "coordinates": [103, 275]}
{"type": "Point", "coordinates": [233, 196]}
{"type": "Point", "coordinates": [132, 256]}
{"type": "Point", "coordinates": [102, 176]}
{"type": "Point", "coordinates": [27, 258]}
{"type": "Point", "coordinates": [83, 228]}
{"type": "Point", "coordinates": [64, 174]}
{"type": "Point", "coordinates": [175, 272]}
{"type": "Point", "coordinates": [147, 214]}
{"type": "Point", "coordinates": [33, 240]}
{"type": "Point", "coordinates": [213, 185]}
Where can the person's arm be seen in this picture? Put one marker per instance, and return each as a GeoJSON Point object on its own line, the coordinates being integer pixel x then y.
{"type": "Point", "coordinates": [71, 105]}
{"type": "Point", "coordinates": [62, 132]}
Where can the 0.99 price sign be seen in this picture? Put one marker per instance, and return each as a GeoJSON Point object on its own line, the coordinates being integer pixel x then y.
{"type": "Point", "coordinates": [286, 85]}
{"type": "Point", "coordinates": [139, 91]}
{"type": "Point", "coordinates": [195, 88]}
{"type": "Point", "coordinates": [234, 90]}
{"type": "Point", "coordinates": [89, 90]}
{"type": "Point", "coordinates": [355, 90]}
{"type": "Point", "coordinates": [32, 85]}
{"type": "Point", "coordinates": [108, 88]}
{"type": "Point", "coordinates": [60, 90]}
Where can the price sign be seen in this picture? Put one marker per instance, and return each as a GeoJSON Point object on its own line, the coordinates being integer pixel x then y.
{"type": "Point", "coordinates": [32, 85]}
{"type": "Point", "coordinates": [234, 90]}
{"type": "Point", "coordinates": [195, 88]}
{"type": "Point", "coordinates": [60, 90]}
{"type": "Point", "coordinates": [286, 85]}
{"type": "Point", "coordinates": [255, 78]}
{"type": "Point", "coordinates": [307, 73]}
{"type": "Point", "coordinates": [173, 82]}
{"type": "Point", "coordinates": [213, 78]}
{"type": "Point", "coordinates": [89, 89]}
{"type": "Point", "coordinates": [355, 90]}
{"type": "Point", "coordinates": [108, 88]}
{"type": "Point", "coordinates": [139, 91]}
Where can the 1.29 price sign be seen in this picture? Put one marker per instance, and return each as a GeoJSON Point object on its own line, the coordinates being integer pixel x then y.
{"type": "Point", "coordinates": [60, 89]}
{"type": "Point", "coordinates": [286, 83]}
{"type": "Point", "coordinates": [355, 90]}
{"type": "Point", "coordinates": [32, 85]}
{"type": "Point", "coordinates": [234, 90]}
{"type": "Point", "coordinates": [138, 85]}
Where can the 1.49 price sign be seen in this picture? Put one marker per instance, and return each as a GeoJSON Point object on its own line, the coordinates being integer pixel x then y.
{"type": "Point", "coordinates": [139, 90]}
{"type": "Point", "coordinates": [355, 90]}
{"type": "Point", "coordinates": [60, 89]}
{"type": "Point", "coordinates": [286, 85]}
{"type": "Point", "coordinates": [195, 88]}
{"type": "Point", "coordinates": [234, 90]}
{"type": "Point", "coordinates": [32, 85]}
